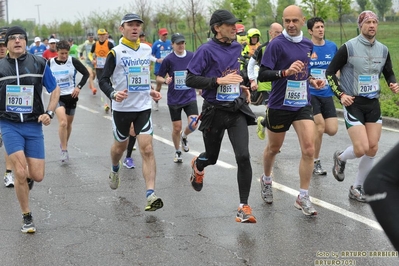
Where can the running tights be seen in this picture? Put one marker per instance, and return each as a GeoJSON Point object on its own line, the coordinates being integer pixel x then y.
{"type": "Point", "coordinates": [382, 189]}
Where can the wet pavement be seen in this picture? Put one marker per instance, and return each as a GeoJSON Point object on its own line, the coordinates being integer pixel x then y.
{"type": "Point", "coordinates": [81, 221]}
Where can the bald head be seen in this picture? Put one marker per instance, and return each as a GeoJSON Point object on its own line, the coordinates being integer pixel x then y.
{"type": "Point", "coordinates": [293, 20]}
{"type": "Point", "coordinates": [292, 10]}
{"type": "Point", "coordinates": [275, 30]}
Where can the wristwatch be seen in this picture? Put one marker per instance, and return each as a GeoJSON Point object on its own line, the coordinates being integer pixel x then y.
{"type": "Point", "coordinates": [113, 95]}
{"type": "Point", "coordinates": [79, 87]}
{"type": "Point", "coordinates": [50, 114]}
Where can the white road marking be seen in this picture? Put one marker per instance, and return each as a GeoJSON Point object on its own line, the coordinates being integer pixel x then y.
{"type": "Point", "coordinates": [294, 193]}
{"type": "Point", "coordinates": [284, 188]}
{"type": "Point", "coordinates": [87, 109]}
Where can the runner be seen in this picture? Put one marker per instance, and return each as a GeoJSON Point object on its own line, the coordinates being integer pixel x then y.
{"type": "Point", "coordinates": [160, 49]}
{"type": "Point", "coordinates": [360, 62]}
{"type": "Point", "coordinates": [285, 63]}
{"type": "Point", "coordinates": [8, 175]}
{"type": "Point", "coordinates": [86, 57]}
{"type": "Point", "coordinates": [382, 190]}
{"type": "Point", "coordinates": [51, 52]}
{"type": "Point", "coordinates": [130, 91]}
{"type": "Point", "coordinates": [253, 68]}
{"type": "Point", "coordinates": [37, 48]}
{"type": "Point", "coordinates": [22, 76]}
{"type": "Point", "coordinates": [225, 106]}
{"type": "Point", "coordinates": [180, 96]}
{"type": "Point", "coordinates": [324, 112]}
{"type": "Point", "coordinates": [100, 50]}
{"type": "Point", "coordinates": [64, 68]}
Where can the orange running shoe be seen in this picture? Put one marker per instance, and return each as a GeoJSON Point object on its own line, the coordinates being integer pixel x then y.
{"type": "Point", "coordinates": [196, 176]}
{"type": "Point", "coordinates": [94, 90]}
{"type": "Point", "coordinates": [244, 215]}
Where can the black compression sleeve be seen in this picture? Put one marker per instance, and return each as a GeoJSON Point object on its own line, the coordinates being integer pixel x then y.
{"type": "Point", "coordinates": [82, 70]}
{"type": "Point", "coordinates": [199, 82]}
{"type": "Point", "coordinates": [388, 71]}
{"type": "Point", "coordinates": [108, 70]}
{"type": "Point", "coordinates": [266, 74]}
{"type": "Point", "coordinates": [338, 61]}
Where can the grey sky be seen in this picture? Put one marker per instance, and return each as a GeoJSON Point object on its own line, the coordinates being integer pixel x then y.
{"type": "Point", "coordinates": [69, 10]}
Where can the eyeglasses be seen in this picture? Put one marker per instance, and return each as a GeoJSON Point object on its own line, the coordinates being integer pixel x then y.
{"type": "Point", "coordinates": [19, 37]}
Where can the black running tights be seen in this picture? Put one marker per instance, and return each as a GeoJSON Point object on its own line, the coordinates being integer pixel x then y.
{"type": "Point", "coordinates": [382, 189]}
{"type": "Point", "coordinates": [237, 130]}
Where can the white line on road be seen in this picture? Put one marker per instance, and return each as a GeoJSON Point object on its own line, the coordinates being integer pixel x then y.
{"type": "Point", "coordinates": [286, 189]}
{"type": "Point", "coordinates": [87, 109]}
{"type": "Point", "coordinates": [294, 193]}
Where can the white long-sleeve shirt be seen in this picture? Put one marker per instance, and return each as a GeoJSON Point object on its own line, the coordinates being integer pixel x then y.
{"type": "Point", "coordinates": [252, 69]}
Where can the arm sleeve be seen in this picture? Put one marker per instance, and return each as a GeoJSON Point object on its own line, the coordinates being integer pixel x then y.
{"type": "Point", "coordinates": [108, 70]}
{"type": "Point", "coordinates": [205, 83]}
{"type": "Point", "coordinates": [266, 74]}
{"type": "Point", "coordinates": [338, 61]}
{"type": "Point", "coordinates": [93, 48]}
{"type": "Point", "coordinates": [250, 69]}
{"type": "Point", "coordinates": [153, 59]}
{"type": "Point", "coordinates": [82, 70]}
{"type": "Point", "coordinates": [389, 75]}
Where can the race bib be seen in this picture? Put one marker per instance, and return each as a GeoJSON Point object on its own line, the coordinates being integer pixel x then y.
{"type": "Point", "coordinates": [19, 98]}
{"type": "Point", "coordinates": [62, 78]}
{"type": "Point", "coordinates": [139, 78]}
{"type": "Point", "coordinates": [100, 62]}
{"type": "Point", "coordinates": [296, 93]}
{"type": "Point", "coordinates": [228, 92]}
{"type": "Point", "coordinates": [180, 80]}
{"type": "Point", "coordinates": [319, 73]}
{"type": "Point", "coordinates": [368, 86]}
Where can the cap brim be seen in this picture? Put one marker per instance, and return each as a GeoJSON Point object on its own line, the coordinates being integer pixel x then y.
{"type": "Point", "coordinates": [179, 40]}
{"type": "Point", "coordinates": [232, 21]}
{"type": "Point", "coordinates": [124, 21]}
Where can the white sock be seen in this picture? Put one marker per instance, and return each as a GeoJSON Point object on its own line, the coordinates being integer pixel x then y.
{"type": "Point", "coordinates": [365, 165]}
{"type": "Point", "coordinates": [267, 179]}
{"type": "Point", "coordinates": [348, 154]}
{"type": "Point", "coordinates": [303, 193]}
{"type": "Point", "coordinates": [183, 135]}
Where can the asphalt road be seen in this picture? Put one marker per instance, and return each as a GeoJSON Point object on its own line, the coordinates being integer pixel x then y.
{"type": "Point", "coordinates": [81, 221]}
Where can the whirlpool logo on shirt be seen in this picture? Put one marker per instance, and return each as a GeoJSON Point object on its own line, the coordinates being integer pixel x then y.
{"type": "Point", "coordinates": [128, 61]}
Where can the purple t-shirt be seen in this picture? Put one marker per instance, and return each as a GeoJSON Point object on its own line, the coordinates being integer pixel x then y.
{"type": "Point", "coordinates": [215, 60]}
{"type": "Point", "coordinates": [288, 93]}
{"type": "Point", "coordinates": [176, 67]}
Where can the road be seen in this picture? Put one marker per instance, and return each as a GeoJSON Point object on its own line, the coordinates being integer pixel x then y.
{"type": "Point", "coordinates": [81, 221]}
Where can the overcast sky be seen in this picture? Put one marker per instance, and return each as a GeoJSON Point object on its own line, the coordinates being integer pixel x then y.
{"type": "Point", "coordinates": [68, 10]}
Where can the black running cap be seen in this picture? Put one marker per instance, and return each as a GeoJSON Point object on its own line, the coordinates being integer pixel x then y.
{"type": "Point", "coordinates": [223, 16]}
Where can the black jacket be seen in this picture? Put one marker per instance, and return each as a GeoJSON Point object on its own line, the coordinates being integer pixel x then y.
{"type": "Point", "coordinates": [30, 72]}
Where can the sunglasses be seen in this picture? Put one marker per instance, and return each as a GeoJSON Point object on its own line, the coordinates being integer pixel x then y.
{"type": "Point", "coordinates": [14, 37]}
